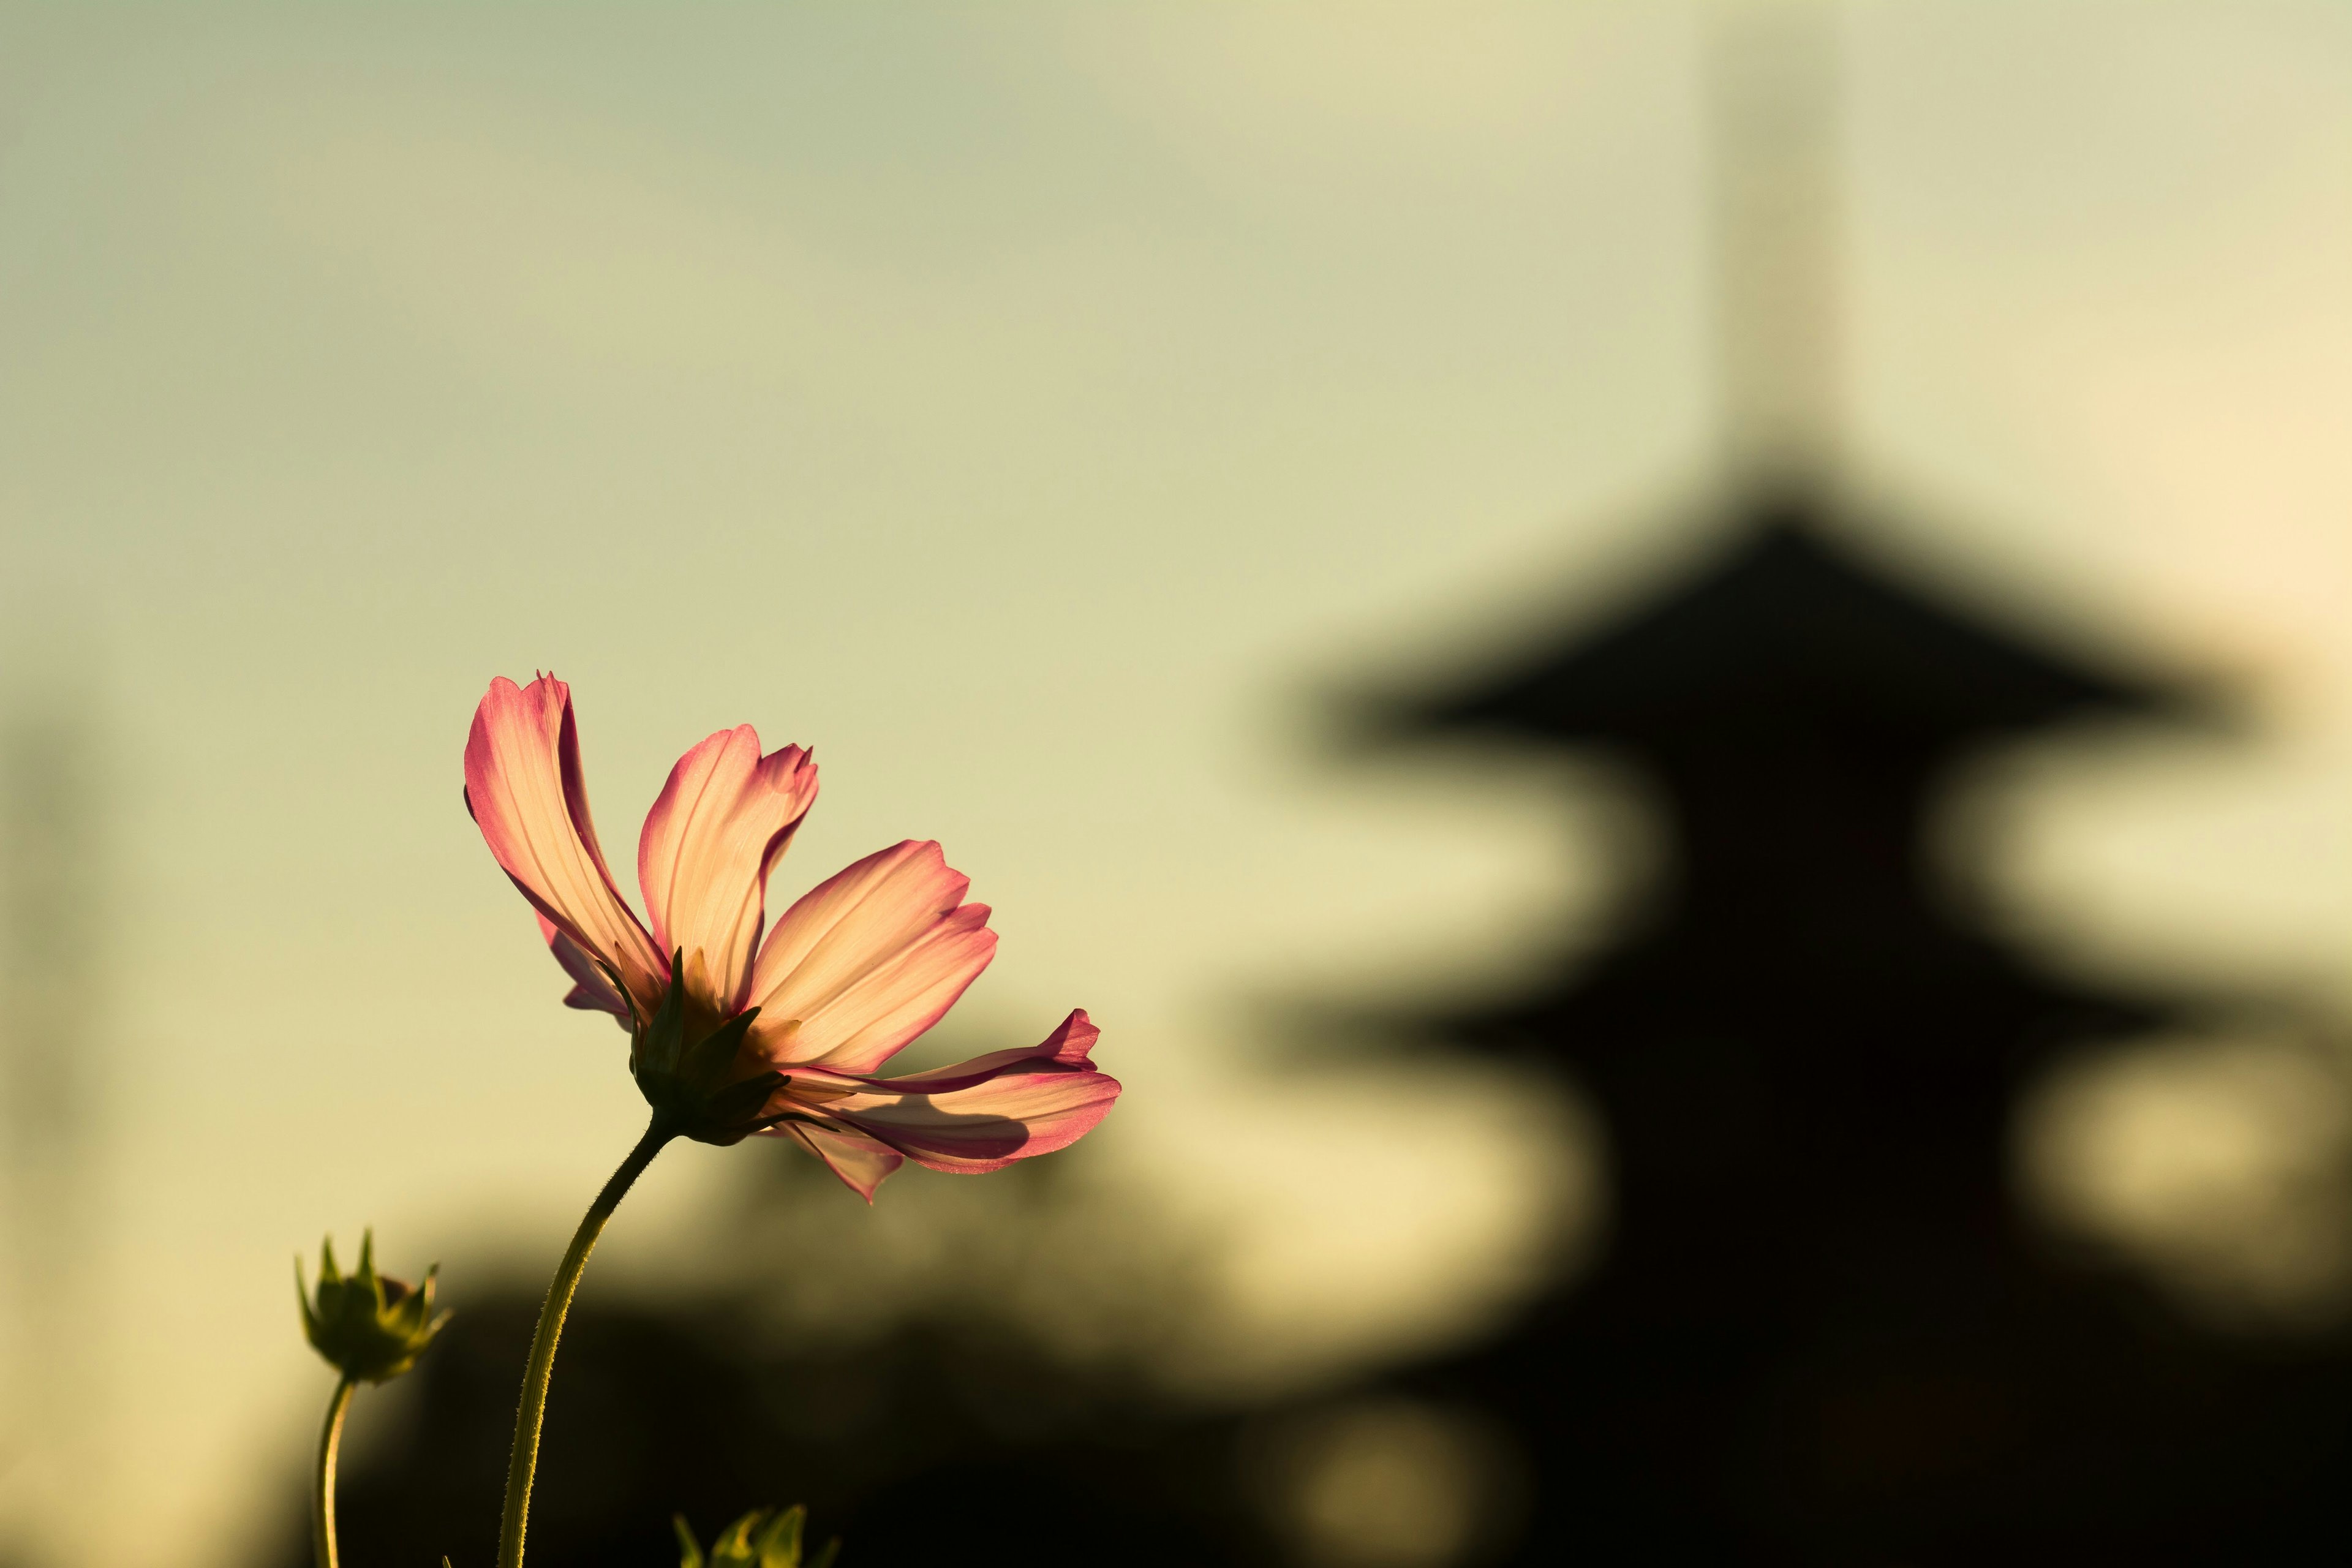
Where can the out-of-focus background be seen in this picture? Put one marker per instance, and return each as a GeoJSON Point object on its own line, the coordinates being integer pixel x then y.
{"type": "Point", "coordinates": [1062, 416]}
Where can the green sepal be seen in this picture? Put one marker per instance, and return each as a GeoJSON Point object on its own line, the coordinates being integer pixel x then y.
{"type": "Point", "coordinates": [738, 1106]}
{"type": "Point", "coordinates": [668, 1027]}
{"type": "Point", "coordinates": [690, 1555]}
{"type": "Point", "coordinates": [710, 1065]}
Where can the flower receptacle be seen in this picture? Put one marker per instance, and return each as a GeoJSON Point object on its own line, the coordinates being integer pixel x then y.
{"type": "Point", "coordinates": [690, 1067]}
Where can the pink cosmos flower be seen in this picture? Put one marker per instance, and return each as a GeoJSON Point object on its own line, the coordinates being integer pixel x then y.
{"type": "Point", "coordinates": [732, 1034]}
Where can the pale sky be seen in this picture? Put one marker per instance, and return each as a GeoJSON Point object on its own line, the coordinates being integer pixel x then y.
{"type": "Point", "coordinates": [1033, 408]}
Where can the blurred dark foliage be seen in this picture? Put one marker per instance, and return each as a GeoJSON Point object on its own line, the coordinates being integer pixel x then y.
{"type": "Point", "coordinates": [929, 1446]}
{"type": "Point", "coordinates": [1822, 1333]}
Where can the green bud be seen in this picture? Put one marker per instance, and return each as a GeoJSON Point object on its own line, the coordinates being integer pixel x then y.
{"type": "Point", "coordinates": [368, 1327]}
{"type": "Point", "coordinates": [764, 1538]}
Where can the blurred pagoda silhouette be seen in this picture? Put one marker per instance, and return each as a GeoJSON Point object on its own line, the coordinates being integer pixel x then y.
{"type": "Point", "coordinates": [1819, 1333]}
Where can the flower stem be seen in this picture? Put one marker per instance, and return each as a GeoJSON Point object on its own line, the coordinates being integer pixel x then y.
{"type": "Point", "coordinates": [323, 1513]}
{"type": "Point", "coordinates": [522, 1461]}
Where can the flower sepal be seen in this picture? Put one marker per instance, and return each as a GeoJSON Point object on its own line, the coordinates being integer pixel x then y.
{"type": "Point", "coordinates": [764, 1538]}
{"type": "Point", "coordinates": [690, 1070]}
{"type": "Point", "coordinates": [368, 1326]}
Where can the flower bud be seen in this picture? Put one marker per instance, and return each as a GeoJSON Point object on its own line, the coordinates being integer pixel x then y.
{"type": "Point", "coordinates": [368, 1327]}
{"type": "Point", "coordinates": [764, 1538]}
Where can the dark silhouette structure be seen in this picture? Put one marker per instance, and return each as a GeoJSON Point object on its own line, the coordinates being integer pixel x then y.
{"type": "Point", "coordinates": [1820, 1334]}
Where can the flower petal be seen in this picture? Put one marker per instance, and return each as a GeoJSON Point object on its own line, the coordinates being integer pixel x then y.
{"type": "Point", "coordinates": [867, 960]}
{"type": "Point", "coordinates": [985, 1113]}
{"type": "Point", "coordinates": [1071, 1045]}
{"type": "Point", "coordinates": [523, 786]}
{"type": "Point", "coordinates": [709, 841]}
{"type": "Point", "coordinates": [861, 1161]}
{"type": "Point", "coordinates": [592, 990]}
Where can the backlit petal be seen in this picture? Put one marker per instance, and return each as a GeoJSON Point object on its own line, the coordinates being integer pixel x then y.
{"type": "Point", "coordinates": [860, 1161]}
{"type": "Point", "coordinates": [867, 960]}
{"type": "Point", "coordinates": [709, 841]}
{"type": "Point", "coordinates": [983, 1114]}
{"type": "Point", "coordinates": [1071, 1045]}
{"type": "Point", "coordinates": [524, 788]}
{"type": "Point", "coordinates": [591, 991]}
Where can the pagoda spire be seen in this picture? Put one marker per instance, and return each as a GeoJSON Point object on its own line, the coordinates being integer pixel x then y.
{"type": "Point", "coordinates": [1774, 128]}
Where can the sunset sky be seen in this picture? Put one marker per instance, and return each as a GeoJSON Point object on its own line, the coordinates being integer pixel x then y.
{"type": "Point", "coordinates": [1042, 410]}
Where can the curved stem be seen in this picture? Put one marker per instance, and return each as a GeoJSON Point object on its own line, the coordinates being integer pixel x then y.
{"type": "Point", "coordinates": [522, 1462]}
{"type": "Point", "coordinates": [322, 1509]}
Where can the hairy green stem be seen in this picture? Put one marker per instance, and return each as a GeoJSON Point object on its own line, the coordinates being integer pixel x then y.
{"type": "Point", "coordinates": [322, 1512]}
{"type": "Point", "coordinates": [522, 1461]}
